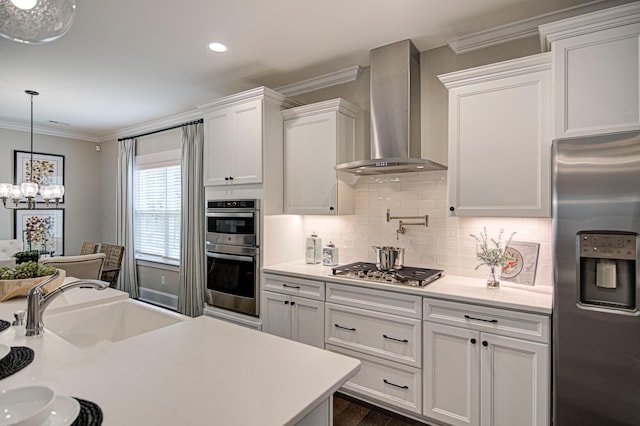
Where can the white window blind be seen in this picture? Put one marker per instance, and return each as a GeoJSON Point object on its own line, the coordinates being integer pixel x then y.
{"type": "Point", "coordinates": [157, 211]}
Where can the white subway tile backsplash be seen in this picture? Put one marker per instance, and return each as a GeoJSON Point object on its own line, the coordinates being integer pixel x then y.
{"type": "Point", "coordinates": [444, 244]}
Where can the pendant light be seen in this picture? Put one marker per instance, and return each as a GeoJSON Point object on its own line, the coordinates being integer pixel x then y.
{"type": "Point", "coordinates": [29, 190]}
{"type": "Point", "coordinates": [36, 21]}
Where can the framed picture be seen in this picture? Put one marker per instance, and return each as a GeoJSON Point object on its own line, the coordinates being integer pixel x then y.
{"type": "Point", "coordinates": [40, 229]}
{"type": "Point", "coordinates": [522, 263]}
{"type": "Point", "coordinates": [48, 169]}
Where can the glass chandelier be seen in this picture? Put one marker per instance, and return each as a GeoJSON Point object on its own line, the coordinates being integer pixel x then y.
{"type": "Point", "coordinates": [29, 190]}
{"type": "Point", "coordinates": [36, 21]}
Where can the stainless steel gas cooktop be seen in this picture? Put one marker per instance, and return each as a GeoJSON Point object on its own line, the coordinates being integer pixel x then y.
{"type": "Point", "coordinates": [417, 277]}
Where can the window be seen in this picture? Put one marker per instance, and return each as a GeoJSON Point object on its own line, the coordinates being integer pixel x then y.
{"type": "Point", "coordinates": [157, 209]}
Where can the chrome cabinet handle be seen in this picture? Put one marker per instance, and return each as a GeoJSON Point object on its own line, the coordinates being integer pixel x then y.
{"type": "Point", "coordinates": [393, 384]}
{"type": "Point", "coordinates": [344, 328]}
{"type": "Point", "coordinates": [480, 319]}
{"type": "Point", "coordinates": [290, 286]}
{"type": "Point", "coordinates": [394, 339]}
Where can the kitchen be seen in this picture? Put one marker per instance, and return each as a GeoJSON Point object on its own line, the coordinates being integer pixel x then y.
{"type": "Point", "coordinates": [445, 243]}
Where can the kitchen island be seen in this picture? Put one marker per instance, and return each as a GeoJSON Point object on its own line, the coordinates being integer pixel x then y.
{"type": "Point", "coordinates": [195, 372]}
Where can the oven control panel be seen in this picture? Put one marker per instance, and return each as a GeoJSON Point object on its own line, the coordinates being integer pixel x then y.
{"type": "Point", "coordinates": [232, 204]}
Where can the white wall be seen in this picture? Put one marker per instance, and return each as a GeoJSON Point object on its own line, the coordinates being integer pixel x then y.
{"type": "Point", "coordinates": [444, 244]}
{"type": "Point", "coordinates": [82, 179]}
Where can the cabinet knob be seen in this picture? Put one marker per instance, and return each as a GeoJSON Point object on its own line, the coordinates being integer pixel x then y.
{"type": "Point", "coordinates": [451, 208]}
{"type": "Point", "coordinates": [473, 341]}
{"type": "Point", "coordinates": [286, 302]}
{"type": "Point", "coordinates": [293, 303]}
{"type": "Point", "coordinates": [226, 178]}
{"type": "Point", "coordinates": [485, 343]}
{"type": "Point", "coordinates": [230, 177]}
{"type": "Point", "coordinates": [331, 208]}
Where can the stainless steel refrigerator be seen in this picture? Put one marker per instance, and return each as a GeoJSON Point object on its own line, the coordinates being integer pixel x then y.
{"type": "Point", "coordinates": [596, 322]}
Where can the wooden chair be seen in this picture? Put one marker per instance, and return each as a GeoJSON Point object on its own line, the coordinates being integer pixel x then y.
{"type": "Point", "coordinates": [90, 248]}
{"type": "Point", "coordinates": [112, 263]}
{"type": "Point", "coordinates": [87, 266]}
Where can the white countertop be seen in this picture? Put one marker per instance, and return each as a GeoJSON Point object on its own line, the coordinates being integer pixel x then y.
{"type": "Point", "coordinates": [449, 287]}
{"type": "Point", "coordinates": [197, 372]}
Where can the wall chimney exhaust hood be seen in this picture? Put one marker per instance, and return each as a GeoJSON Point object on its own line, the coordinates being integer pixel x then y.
{"type": "Point", "coordinates": [395, 114]}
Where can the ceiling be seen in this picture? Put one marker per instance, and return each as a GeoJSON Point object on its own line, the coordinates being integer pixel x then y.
{"type": "Point", "coordinates": [126, 62]}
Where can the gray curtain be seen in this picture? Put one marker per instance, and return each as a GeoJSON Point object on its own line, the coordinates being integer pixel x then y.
{"type": "Point", "coordinates": [192, 256]}
{"type": "Point", "coordinates": [128, 279]}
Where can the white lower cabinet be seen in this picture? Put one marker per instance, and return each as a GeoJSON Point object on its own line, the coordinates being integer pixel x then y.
{"type": "Point", "coordinates": [359, 324]}
{"type": "Point", "coordinates": [474, 377]}
{"type": "Point", "coordinates": [443, 361]}
{"type": "Point", "coordinates": [387, 336]}
{"type": "Point", "coordinates": [294, 317]}
{"type": "Point", "coordinates": [394, 384]}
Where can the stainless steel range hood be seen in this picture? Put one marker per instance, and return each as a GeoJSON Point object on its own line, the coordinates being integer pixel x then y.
{"type": "Point", "coordinates": [395, 114]}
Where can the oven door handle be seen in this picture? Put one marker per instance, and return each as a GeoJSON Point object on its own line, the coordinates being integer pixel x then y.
{"type": "Point", "coordinates": [230, 257]}
{"type": "Point", "coordinates": [230, 214]}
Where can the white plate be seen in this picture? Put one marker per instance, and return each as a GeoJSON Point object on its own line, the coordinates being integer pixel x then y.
{"type": "Point", "coordinates": [4, 351]}
{"type": "Point", "coordinates": [64, 411]}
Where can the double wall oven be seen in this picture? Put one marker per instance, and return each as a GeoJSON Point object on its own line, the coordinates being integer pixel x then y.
{"type": "Point", "coordinates": [233, 255]}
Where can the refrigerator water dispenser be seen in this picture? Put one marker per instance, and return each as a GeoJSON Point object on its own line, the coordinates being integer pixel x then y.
{"type": "Point", "coordinates": [607, 270]}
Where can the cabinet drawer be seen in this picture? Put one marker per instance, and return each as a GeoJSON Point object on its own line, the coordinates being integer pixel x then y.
{"type": "Point", "coordinates": [387, 336]}
{"type": "Point", "coordinates": [483, 318]}
{"type": "Point", "coordinates": [295, 286]}
{"type": "Point", "coordinates": [393, 384]}
{"type": "Point", "coordinates": [377, 300]}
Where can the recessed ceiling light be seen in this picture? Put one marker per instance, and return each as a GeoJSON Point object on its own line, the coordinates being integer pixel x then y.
{"type": "Point", "coordinates": [218, 47]}
{"type": "Point", "coordinates": [24, 4]}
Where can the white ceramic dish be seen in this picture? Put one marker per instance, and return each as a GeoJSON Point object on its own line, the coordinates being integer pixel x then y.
{"type": "Point", "coordinates": [26, 406]}
{"type": "Point", "coordinates": [64, 411]}
{"type": "Point", "coordinates": [4, 351]}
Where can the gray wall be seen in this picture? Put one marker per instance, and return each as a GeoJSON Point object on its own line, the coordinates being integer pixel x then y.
{"type": "Point", "coordinates": [83, 198]}
{"type": "Point", "coordinates": [434, 108]}
{"type": "Point", "coordinates": [434, 95]}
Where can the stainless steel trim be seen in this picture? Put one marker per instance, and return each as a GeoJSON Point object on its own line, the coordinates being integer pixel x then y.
{"type": "Point", "coordinates": [231, 257]}
{"type": "Point", "coordinates": [228, 213]}
{"type": "Point", "coordinates": [232, 249]}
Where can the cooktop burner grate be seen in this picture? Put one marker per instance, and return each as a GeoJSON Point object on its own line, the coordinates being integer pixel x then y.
{"type": "Point", "coordinates": [369, 272]}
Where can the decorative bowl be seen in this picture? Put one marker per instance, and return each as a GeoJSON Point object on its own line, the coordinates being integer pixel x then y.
{"type": "Point", "coordinates": [13, 288]}
{"type": "Point", "coordinates": [26, 406]}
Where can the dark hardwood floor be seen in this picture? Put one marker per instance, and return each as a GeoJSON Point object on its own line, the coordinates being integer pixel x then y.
{"type": "Point", "coordinates": [348, 411]}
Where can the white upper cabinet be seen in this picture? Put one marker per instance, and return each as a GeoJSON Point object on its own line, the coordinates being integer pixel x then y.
{"type": "Point", "coordinates": [596, 74]}
{"type": "Point", "coordinates": [243, 132]}
{"type": "Point", "coordinates": [233, 153]}
{"type": "Point", "coordinates": [316, 138]}
{"type": "Point", "coordinates": [500, 139]}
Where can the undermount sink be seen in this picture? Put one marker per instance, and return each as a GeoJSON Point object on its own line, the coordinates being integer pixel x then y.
{"type": "Point", "coordinates": [111, 322]}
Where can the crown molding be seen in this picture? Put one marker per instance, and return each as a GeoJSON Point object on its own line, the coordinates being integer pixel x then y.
{"type": "Point", "coordinates": [510, 68]}
{"type": "Point", "coordinates": [522, 29]}
{"type": "Point", "coordinates": [597, 21]}
{"type": "Point", "coordinates": [25, 127]}
{"type": "Point", "coordinates": [327, 80]}
{"type": "Point", "coordinates": [332, 105]}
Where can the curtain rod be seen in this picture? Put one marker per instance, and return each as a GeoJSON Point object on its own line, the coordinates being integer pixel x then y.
{"type": "Point", "coordinates": [162, 130]}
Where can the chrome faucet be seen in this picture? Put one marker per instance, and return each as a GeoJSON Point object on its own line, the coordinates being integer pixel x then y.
{"type": "Point", "coordinates": [37, 301]}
